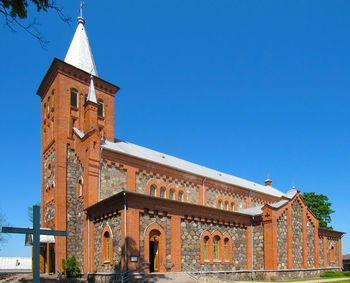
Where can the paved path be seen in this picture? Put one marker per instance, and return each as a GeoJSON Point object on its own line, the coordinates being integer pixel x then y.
{"type": "Point", "coordinates": [306, 281]}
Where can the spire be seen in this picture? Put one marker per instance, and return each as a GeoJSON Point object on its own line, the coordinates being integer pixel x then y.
{"type": "Point", "coordinates": [92, 95]}
{"type": "Point", "coordinates": [79, 53]}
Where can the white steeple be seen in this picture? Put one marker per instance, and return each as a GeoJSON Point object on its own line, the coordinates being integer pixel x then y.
{"type": "Point", "coordinates": [92, 95]}
{"type": "Point", "coordinates": [79, 53]}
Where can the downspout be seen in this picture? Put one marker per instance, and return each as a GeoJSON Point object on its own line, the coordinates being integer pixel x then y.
{"type": "Point", "coordinates": [125, 238]}
{"type": "Point", "coordinates": [203, 193]}
{"type": "Point", "coordinates": [88, 244]}
{"type": "Point", "coordinates": [252, 243]}
{"type": "Point", "coordinates": [99, 175]}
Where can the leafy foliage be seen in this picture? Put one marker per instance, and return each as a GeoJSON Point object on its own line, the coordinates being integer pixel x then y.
{"type": "Point", "coordinates": [30, 212]}
{"type": "Point", "coordinates": [15, 11]}
{"type": "Point", "coordinates": [321, 207]}
{"type": "Point", "coordinates": [70, 267]}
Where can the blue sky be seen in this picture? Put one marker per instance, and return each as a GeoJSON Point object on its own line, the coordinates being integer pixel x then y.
{"type": "Point", "coordinates": [250, 88]}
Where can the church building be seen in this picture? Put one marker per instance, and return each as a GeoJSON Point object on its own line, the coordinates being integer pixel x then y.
{"type": "Point", "coordinates": [129, 208]}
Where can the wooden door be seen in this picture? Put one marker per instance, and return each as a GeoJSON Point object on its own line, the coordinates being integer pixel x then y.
{"type": "Point", "coordinates": [154, 254]}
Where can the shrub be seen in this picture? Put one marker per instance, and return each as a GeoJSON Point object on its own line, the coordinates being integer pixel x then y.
{"type": "Point", "coordinates": [70, 267]}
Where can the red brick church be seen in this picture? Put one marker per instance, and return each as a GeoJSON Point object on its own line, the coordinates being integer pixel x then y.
{"type": "Point", "coordinates": [129, 208]}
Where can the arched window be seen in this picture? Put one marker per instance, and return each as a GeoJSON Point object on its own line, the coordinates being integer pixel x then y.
{"type": "Point", "coordinates": [216, 242]}
{"type": "Point", "coordinates": [153, 190]}
{"type": "Point", "coordinates": [220, 204]}
{"type": "Point", "coordinates": [162, 192]}
{"type": "Point", "coordinates": [171, 194]}
{"type": "Point", "coordinates": [232, 206]}
{"type": "Point", "coordinates": [100, 109]}
{"type": "Point", "coordinates": [107, 247]}
{"type": "Point", "coordinates": [332, 254]}
{"type": "Point", "coordinates": [73, 97]}
{"type": "Point", "coordinates": [205, 248]}
{"type": "Point", "coordinates": [181, 196]}
{"type": "Point", "coordinates": [80, 187]}
{"type": "Point", "coordinates": [226, 205]}
{"type": "Point", "coordinates": [226, 242]}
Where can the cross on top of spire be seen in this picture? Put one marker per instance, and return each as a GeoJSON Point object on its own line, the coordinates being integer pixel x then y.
{"type": "Point", "coordinates": [80, 18]}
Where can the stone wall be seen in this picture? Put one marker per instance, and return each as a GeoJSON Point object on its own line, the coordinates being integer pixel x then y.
{"type": "Point", "coordinates": [191, 232]}
{"type": "Point", "coordinates": [113, 180]}
{"type": "Point", "coordinates": [258, 244]}
{"type": "Point", "coordinates": [331, 242]}
{"type": "Point", "coordinates": [142, 180]}
{"type": "Point", "coordinates": [297, 235]}
{"type": "Point", "coordinates": [75, 206]}
{"type": "Point", "coordinates": [282, 242]}
{"type": "Point", "coordinates": [164, 222]}
{"type": "Point", "coordinates": [310, 231]}
{"type": "Point", "coordinates": [114, 225]}
{"type": "Point", "coordinates": [212, 197]}
{"type": "Point", "coordinates": [320, 244]}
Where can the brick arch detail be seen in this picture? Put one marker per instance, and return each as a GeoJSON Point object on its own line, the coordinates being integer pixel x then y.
{"type": "Point", "coordinates": [229, 248]}
{"type": "Point", "coordinates": [332, 254]}
{"type": "Point", "coordinates": [107, 228]}
{"type": "Point", "coordinates": [163, 185]}
{"type": "Point", "coordinates": [181, 189]}
{"type": "Point", "coordinates": [210, 248]}
{"type": "Point", "coordinates": [219, 198]}
{"type": "Point", "coordinates": [162, 244]}
{"type": "Point", "coordinates": [150, 183]}
{"type": "Point", "coordinates": [172, 187]}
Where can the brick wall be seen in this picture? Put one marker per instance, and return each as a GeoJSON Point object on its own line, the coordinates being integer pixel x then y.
{"type": "Point", "coordinates": [113, 180]}
{"type": "Point", "coordinates": [213, 195]}
{"type": "Point", "coordinates": [75, 213]}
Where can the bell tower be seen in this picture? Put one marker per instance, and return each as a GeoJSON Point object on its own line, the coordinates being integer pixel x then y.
{"type": "Point", "coordinates": [77, 112]}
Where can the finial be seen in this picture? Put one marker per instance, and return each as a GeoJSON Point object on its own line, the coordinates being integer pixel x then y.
{"type": "Point", "coordinates": [92, 95]}
{"type": "Point", "coordinates": [80, 18]}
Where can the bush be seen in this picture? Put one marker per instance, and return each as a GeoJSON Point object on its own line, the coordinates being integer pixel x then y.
{"type": "Point", "coordinates": [70, 267]}
{"type": "Point", "coordinates": [331, 274]}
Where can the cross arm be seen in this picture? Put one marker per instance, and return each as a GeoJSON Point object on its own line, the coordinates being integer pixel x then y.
{"type": "Point", "coordinates": [17, 230]}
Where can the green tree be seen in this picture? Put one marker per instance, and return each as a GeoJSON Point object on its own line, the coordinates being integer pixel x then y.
{"type": "Point", "coordinates": [70, 267]}
{"type": "Point", "coordinates": [321, 207]}
{"type": "Point", "coordinates": [30, 212]}
{"type": "Point", "coordinates": [15, 11]}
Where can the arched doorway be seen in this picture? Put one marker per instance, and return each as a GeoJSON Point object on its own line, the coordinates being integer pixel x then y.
{"type": "Point", "coordinates": [155, 248]}
{"type": "Point", "coordinates": [154, 253]}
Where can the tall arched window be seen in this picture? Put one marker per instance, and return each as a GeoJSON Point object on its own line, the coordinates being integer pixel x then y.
{"type": "Point", "coordinates": [80, 187]}
{"type": "Point", "coordinates": [107, 246]}
{"type": "Point", "coordinates": [232, 206]}
{"type": "Point", "coordinates": [226, 241]}
{"type": "Point", "coordinates": [73, 97]}
{"type": "Point", "coordinates": [332, 254]}
{"type": "Point", "coordinates": [181, 196]}
{"type": "Point", "coordinates": [171, 194]}
{"type": "Point", "coordinates": [220, 204]}
{"type": "Point", "coordinates": [153, 190]}
{"type": "Point", "coordinates": [100, 109]}
{"type": "Point", "coordinates": [205, 248]}
{"type": "Point", "coordinates": [216, 242]}
{"type": "Point", "coordinates": [162, 192]}
{"type": "Point", "coordinates": [226, 205]}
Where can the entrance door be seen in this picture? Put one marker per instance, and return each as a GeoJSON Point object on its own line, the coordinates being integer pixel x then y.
{"type": "Point", "coordinates": [154, 254]}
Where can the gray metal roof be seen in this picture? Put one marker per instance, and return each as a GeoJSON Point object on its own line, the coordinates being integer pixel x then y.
{"type": "Point", "coordinates": [183, 165]}
{"type": "Point", "coordinates": [79, 53]}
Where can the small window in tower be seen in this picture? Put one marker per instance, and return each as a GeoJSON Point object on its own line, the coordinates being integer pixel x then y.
{"type": "Point", "coordinates": [73, 97]}
{"type": "Point", "coordinates": [100, 109]}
